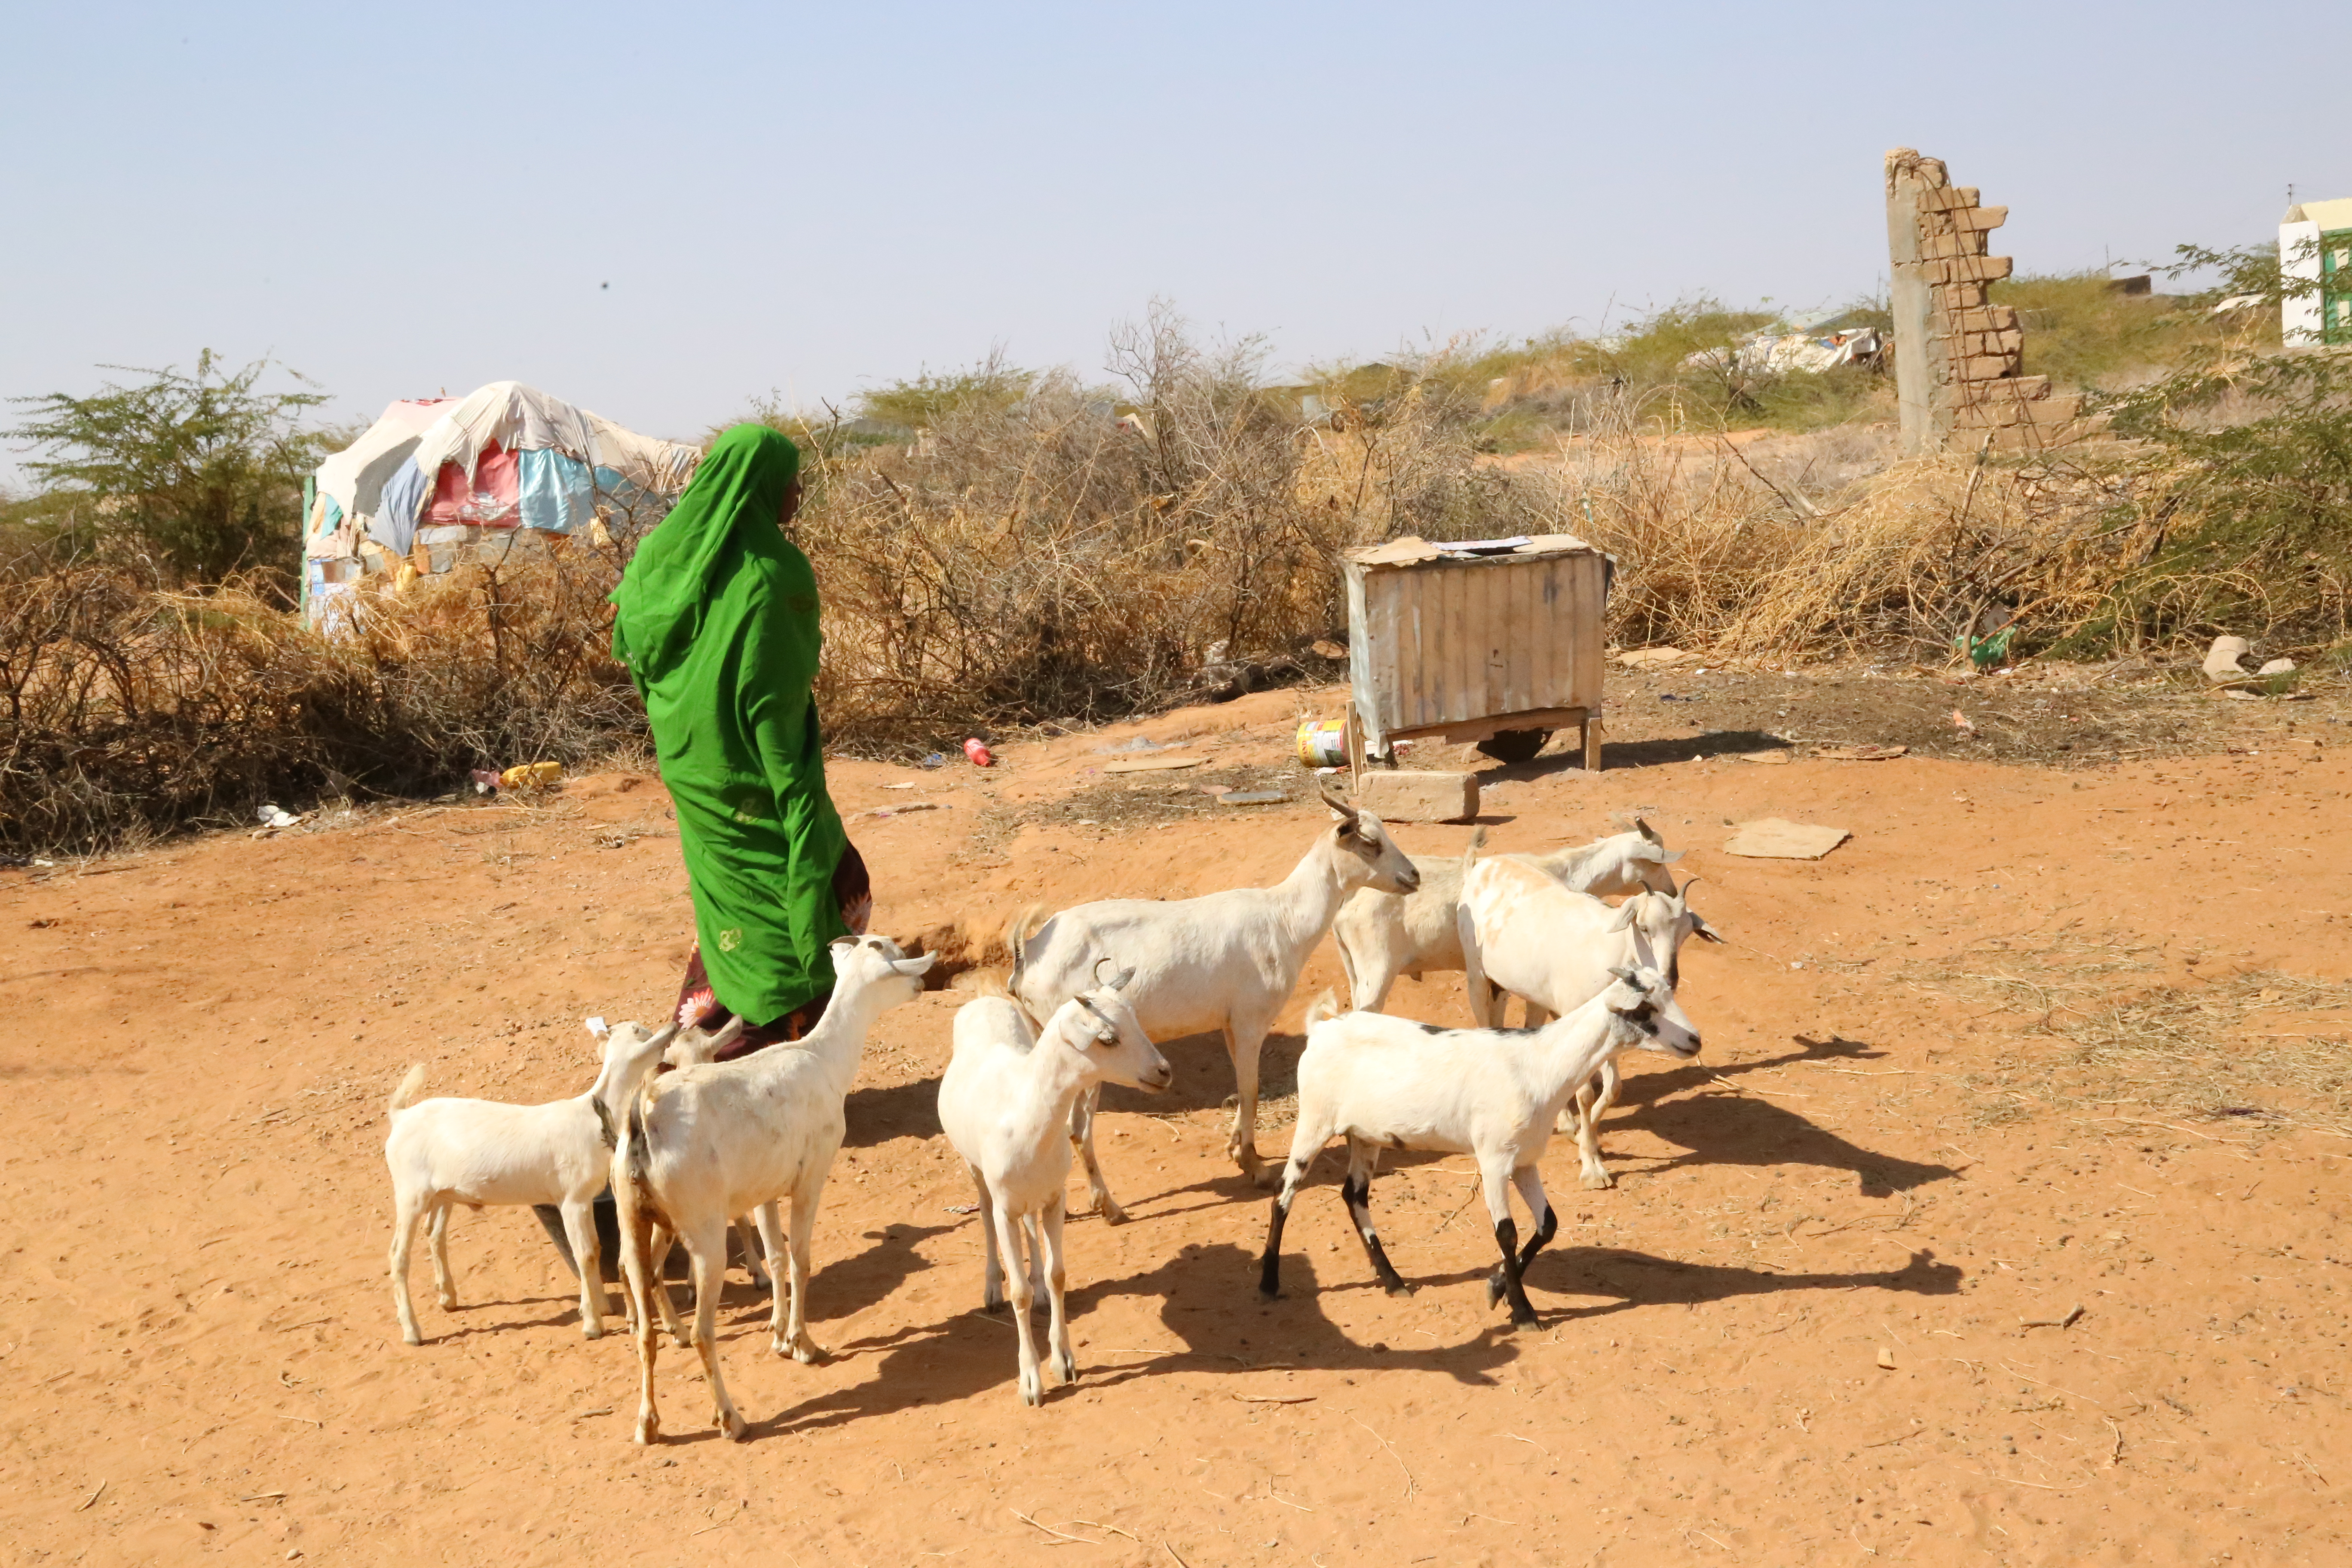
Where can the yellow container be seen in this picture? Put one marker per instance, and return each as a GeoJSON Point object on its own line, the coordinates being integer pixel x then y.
{"type": "Point", "coordinates": [1323, 743]}
{"type": "Point", "coordinates": [530, 775]}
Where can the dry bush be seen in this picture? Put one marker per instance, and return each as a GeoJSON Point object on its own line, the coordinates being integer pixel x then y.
{"type": "Point", "coordinates": [1049, 559]}
{"type": "Point", "coordinates": [1726, 548]}
{"type": "Point", "coordinates": [130, 710]}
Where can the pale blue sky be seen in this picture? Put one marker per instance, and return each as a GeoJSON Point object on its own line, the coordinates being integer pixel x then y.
{"type": "Point", "coordinates": [398, 199]}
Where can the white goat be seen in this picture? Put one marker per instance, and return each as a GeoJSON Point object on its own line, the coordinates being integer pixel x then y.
{"type": "Point", "coordinates": [484, 1152]}
{"type": "Point", "coordinates": [706, 1143]}
{"type": "Point", "coordinates": [1524, 933]}
{"type": "Point", "coordinates": [1383, 1082]}
{"type": "Point", "coordinates": [1226, 960]}
{"type": "Point", "coordinates": [1382, 935]}
{"type": "Point", "coordinates": [1005, 1104]}
{"type": "Point", "coordinates": [695, 1046]}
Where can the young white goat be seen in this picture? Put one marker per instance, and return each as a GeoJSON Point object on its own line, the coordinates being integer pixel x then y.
{"type": "Point", "coordinates": [1382, 935]}
{"type": "Point", "coordinates": [706, 1143]}
{"type": "Point", "coordinates": [1005, 1104]}
{"type": "Point", "coordinates": [483, 1152]}
{"type": "Point", "coordinates": [1226, 960]}
{"type": "Point", "coordinates": [1390, 1083]}
{"type": "Point", "coordinates": [1524, 933]}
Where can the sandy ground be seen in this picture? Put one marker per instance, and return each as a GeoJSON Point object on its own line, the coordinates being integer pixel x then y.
{"type": "Point", "coordinates": [1793, 1334]}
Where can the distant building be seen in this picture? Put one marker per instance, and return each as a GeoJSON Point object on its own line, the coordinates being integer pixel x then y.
{"type": "Point", "coordinates": [2315, 245]}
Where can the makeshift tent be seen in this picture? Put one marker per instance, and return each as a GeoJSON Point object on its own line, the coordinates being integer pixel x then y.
{"type": "Point", "coordinates": [437, 481]}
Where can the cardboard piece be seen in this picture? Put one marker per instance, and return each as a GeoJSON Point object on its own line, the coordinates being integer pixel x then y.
{"type": "Point", "coordinates": [1776, 839]}
{"type": "Point", "coordinates": [1860, 754]}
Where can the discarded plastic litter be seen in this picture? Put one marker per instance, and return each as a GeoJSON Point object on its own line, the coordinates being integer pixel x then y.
{"type": "Point", "coordinates": [276, 816]}
{"type": "Point", "coordinates": [936, 760]}
{"type": "Point", "coordinates": [597, 1026]}
{"type": "Point", "coordinates": [978, 753]}
{"type": "Point", "coordinates": [530, 775]}
{"type": "Point", "coordinates": [1132, 744]}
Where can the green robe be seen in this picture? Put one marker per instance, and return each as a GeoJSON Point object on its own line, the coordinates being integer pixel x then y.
{"type": "Point", "coordinates": [717, 625]}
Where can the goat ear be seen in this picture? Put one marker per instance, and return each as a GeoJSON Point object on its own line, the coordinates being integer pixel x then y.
{"type": "Point", "coordinates": [915, 967]}
{"type": "Point", "coordinates": [1119, 982]}
{"type": "Point", "coordinates": [1628, 976]}
{"type": "Point", "coordinates": [1668, 857]}
{"type": "Point", "coordinates": [841, 947]}
{"type": "Point", "coordinates": [1703, 931]}
{"type": "Point", "coordinates": [1347, 827]}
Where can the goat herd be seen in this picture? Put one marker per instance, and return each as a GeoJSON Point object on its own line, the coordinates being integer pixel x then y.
{"type": "Point", "coordinates": [689, 1153]}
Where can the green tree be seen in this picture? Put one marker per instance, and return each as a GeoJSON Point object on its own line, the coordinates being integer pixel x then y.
{"type": "Point", "coordinates": [200, 474]}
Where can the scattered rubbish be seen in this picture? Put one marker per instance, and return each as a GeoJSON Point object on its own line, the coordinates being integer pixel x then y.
{"type": "Point", "coordinates": [1886, 1358]}
{"type": "Point", "coordinates": [905, 809]}
{"type": "Point", "coordinates": [936, 760]}
{"type": "Point", "coordinates": [2224, 661]}
{"type": "Point", "coordinates": [1769, 758]}
{"type": "Point", "coordinates": [1251, 797]}
{"type": "Point", "coordinates": [962, 1209]}
{"type": "Point", "coordinates": [1326, 649]}
{"type": "Point", "coordinates": [485, 780]}
{"type": "Point", "coordinates": [2278, 667]}
{"type": "Point", "coordinates": [1323, 743]}
{"type": "Point", "coordinates": [276, 816]}
{"type": "Point", "coordinates": [1990, 650]}
{"type": "Point", "coordinates": [531, 776]}
{"type": "Point", "coordinates": [1776, 839]}
{"type": "Point", "coordinates": [1652, 658]}
{"type": "Point", "coordinates": [596, 1025]}
{"type": "Point", "coordinates": [1152, 764]}
{"type": "Point", "coordinates": [1860, 754]}
{"type": "Point", "coordinates": [977, 753]}
{"type": "Point", "coordinates": [908, 783]}
{"type": "Point", "coordinates": [1132, 744]}
{"type": "Point", "coordinates": [1960, 722]}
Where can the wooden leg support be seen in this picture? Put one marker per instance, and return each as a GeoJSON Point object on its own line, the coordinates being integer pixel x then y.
{"type": "Point", "coordinates": [1592, 745]}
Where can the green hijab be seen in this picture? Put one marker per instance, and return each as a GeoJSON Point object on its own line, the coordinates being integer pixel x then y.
{"type": "Point", "coordinates": [717, 621]}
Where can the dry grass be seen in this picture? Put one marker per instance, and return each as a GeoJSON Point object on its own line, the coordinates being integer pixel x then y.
{"type": "Point", "coordinates": [2201, 1049]}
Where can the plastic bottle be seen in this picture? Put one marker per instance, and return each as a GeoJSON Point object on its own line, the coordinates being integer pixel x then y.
{"type": "Point", "coordinates": [978, 753]}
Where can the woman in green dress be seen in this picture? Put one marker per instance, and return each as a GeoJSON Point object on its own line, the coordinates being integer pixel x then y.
{"type": "Point", "coordinates": [717, 625]}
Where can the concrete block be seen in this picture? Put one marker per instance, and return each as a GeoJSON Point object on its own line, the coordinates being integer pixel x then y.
{"type": "Point", "coordinates": [1402, 797]}
{"type": "Point", "coordinates": [1985, 367]}
{"type": "Point", "coordinates": [1949, 199]}
{"type": "Point", "coordinates": [1960, 298]}
{"type": "Point", "coordinates": [1979, 219]}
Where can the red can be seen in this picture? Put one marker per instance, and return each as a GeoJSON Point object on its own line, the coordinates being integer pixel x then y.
{"type": "Point", "coordinates": [978, 753]}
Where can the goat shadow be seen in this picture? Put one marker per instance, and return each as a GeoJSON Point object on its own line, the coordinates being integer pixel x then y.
{"type": "Point", "coordinates": [1209, 1304]}
{"type": "Point", "coordinates": [1751, 1129]}
{"type": "Point", "coordinates": [1203, 1081]}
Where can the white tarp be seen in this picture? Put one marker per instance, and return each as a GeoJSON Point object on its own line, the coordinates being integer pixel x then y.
{"type": "Point", "coordinates": [353, 478]}
{"type": "Point", "coordinates": [523, 418]}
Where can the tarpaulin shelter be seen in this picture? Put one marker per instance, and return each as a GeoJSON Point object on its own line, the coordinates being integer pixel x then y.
{"type": "Point", "coordinates": [435, 481]}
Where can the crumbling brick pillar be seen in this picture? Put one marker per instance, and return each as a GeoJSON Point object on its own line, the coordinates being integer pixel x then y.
{"type": "Point", "coordinates": [1956, 356]}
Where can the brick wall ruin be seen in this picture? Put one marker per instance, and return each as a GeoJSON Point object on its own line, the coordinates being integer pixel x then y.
{"type": "Point", "coordinates": [1957, 356]}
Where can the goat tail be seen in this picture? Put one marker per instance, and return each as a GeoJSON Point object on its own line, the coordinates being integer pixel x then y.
{"type": "Point", "coordinates": [1470, 852]}
{"type": "Point", "coordinates": [406, 1095]}
{"type": "Point", "coordinates": [1322, 1010]}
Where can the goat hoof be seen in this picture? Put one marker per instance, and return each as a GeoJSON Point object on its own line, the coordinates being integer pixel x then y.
{"type": "Point", "coordinates": [1067, 1368]}
{"type": "Point", "coordinates": [1111, 1212]}
{"type": "Point", "coordinates": [1598, 1182]}
{"type": "Point", "coordinates": [590, 1332]}
{"type": "Point", "coordinates": [735, 1428]}
{"type": "Point", "coordinates": [1530, 1322]}
{"type": "Point", "coordinates": [648, 1431]}
{"type": "Point", "coordinates": [1033, 1392]}
{"type": "Point", "coordinates": [1494, 1289]}
{"type": "Point", "coordinates": [808, 1353]}
{"type": "Point", "coordinates": [410, 1336]}
{"type": "Point", "coordinates": [1398, 1289]}
{"type": "Point", "coordinates": [448, 1303]}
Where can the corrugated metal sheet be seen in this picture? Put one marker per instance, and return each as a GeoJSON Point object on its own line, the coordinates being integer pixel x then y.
{"type": "Point", "coordinates": [1452, 642]}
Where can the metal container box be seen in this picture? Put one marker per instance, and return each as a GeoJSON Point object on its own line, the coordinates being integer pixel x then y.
{"type": "Point", "coordinates": [1463, 642]}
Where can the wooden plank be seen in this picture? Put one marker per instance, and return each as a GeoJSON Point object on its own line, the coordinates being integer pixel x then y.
{"type": "Point", "coordinates": [1152, 764]}
{"type": "Point", "coordinates": [1465, 730]}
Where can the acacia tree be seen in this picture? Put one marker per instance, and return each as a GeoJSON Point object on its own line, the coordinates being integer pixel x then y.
{"type": "Point", "coordinates": [199, 474]}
